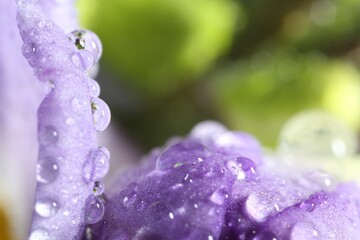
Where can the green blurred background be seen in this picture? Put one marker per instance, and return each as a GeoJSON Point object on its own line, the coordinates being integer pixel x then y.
{"type": "Point", "coordinates": [251, 64]}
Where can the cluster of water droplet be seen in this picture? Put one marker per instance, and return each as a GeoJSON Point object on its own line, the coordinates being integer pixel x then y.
{"type": "Point", "coordinates": [97, 163]}
{"type": "Point", "coordinates": [70, 165]}
{"type": "Point", "coordinates": [315, 139]}
{"type": "Point", "coordinates": [214, 185]}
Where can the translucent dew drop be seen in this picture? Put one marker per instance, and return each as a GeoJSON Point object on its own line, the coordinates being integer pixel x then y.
{"type": "Point", "coordinates": [98, 188]}
{"type": "Point", "coordinates": [101, 114]}
{"type": "Point", "coordinates": [207, 131]}
{"type": "Point", "coordinates": [47, 170]}
{"type": "Point", "coordinates": [323, 179]}
{"type": "Point", "coordinates": [94, 88]}
{"type": "Point", "coordinates": [46, 207]}
{"type": "Point", "coordinates": [181, 153]}
{"type": "Point", "coordinates": [83, 59]}
{"type": "Point", "coordinates": [243, 168]}
{"type": "Point", "coordinates": [318, 134]}
{"type": "Point", "coordinates": [94, 210]}
{"type": "Point", "coordinates": [313, 201]}
{"type": "Point", "coordinates": [48, 135]}
{"type": "Point", "coordinates": [39, 234]}
{"type": "Point", "coordinates": [93, 72]}
{"type": "Point", "coordinates": [308, 205]}
{"type": "Point", "coordinates": [219, 197]}
{"type": "Point", "coordinates": [97, 164]}
{"type": "Point", "coordinates": [87, 40]}
{"type": "Point", "coordinates": [128, 195]}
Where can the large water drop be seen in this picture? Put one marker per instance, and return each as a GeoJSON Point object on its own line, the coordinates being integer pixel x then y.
{"type": "Point", "coordinates": [94, 210]}
{"type": "Point", "coordinates": [101, 114]}
{"type": "Point", "coordinates": [47, 170]}
{"type": "Point", "coordinates": [98, 188]}
{"type": "Point", "coordinates": [96, 165]}
{"type": "Point", "coordinates": [87, 40]}
{"type": "Point", "coordinates": [181, 153]}
{"type": "Point", "coordinates": [48, 135]}
{"type": "Point", "coordinates": [46, 207]}
{"type": "Point", "coordinates": [83, 59]}
{"type": "Point", "coordinates": [94, 88]}
{"type": "Point", "coordinates": [317, 133]}
{"type": "Point", "coordinates": [39, 234]}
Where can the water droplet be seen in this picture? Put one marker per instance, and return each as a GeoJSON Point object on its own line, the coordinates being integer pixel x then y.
{"type": "Point", "coordinates": [94, 210]}
{"type": "Point", "coordinates": [93, 72]}
{"type": "Point", "coordinates": [323, 179]}
{"type": "Point", "coordinates": [129, 194]}
{"type": "Point", "coordinates": [39, 234]}
{"type": "Point", "coordinates": [207, 131]}
{"type": "Point", "coordinates": [94, 88]}
{"type": "Point", "coordinates": [97, 164]}
{"type": "Point", "coordinates": [48, 135]}
{"type": "Point", "coordinates": [87, 40]}
{"type": "Point", "coordinates": [83, 59]}
{"type": "Point", "coordinates": [46, 207]}
{"type": "Point", "coordinates": [180, 154]}
{"type": "Point", "coordinates": [171, 215]}
{"type": "Point", "coordinates": [219, 196]}
{"type": "Point", "coordinates": [98, 188]}
{"type": "Point", "coordinates": [101, 114]}
{"type": "Point", "coordinates": [47, 170]}
{"type": "Point", "coordinates": [316, 134]}
{"type": "Point", "coordinates": [76, 197]}
{"type": "Point", "coordinates": [243, 168]}
{"type": "Point", "coordinates": [313, 201]}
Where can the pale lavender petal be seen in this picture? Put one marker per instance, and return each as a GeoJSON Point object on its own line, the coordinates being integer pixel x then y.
{"type": "Point", "coordinates": [20, 97]}
{"type": "Point", "coordinates": [70, 161]}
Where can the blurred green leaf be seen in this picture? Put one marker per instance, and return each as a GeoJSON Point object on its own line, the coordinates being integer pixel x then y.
{"type": "Point", "coordinates": [158, 45]}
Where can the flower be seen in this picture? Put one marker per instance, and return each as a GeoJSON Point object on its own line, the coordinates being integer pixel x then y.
{"type": "Point", "coordinates": [216, 184]}
{"type": "Point", "coordinates": [70, 163]}
{"type": "Point", "coordinates": [212, 184]}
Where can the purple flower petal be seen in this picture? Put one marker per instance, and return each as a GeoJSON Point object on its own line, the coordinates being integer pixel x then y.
{"type": "Point", "coordinates": [20, 96]}
{"type": "Point", "coordinates": [195, 188]}
{"type": "Point", "coordinates": [68, 119]}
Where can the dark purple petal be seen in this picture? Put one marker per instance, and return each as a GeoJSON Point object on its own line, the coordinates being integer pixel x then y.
{"type": "Point", "coordinates": [225, 195]}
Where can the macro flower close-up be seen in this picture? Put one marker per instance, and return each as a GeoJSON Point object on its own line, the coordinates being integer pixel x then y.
{"type": "Point", "coordinates": [191, 119]}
